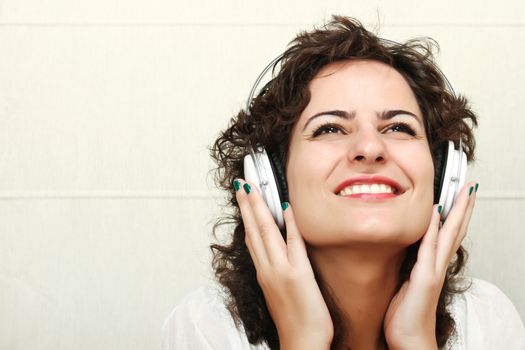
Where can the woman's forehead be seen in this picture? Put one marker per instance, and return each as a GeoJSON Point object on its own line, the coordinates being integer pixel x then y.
{"type": "Point", "coordinates": [354, 84]}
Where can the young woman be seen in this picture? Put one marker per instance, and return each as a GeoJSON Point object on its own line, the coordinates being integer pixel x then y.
{"type": "Point", "coordinates": [357, 127]}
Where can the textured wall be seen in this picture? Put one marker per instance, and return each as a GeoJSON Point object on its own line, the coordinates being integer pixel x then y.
{"type": "Point", "coordinates": [107, 109]}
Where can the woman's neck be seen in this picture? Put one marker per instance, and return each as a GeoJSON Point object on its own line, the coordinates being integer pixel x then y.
{"type": "Point", "coordinates": [361, 281]}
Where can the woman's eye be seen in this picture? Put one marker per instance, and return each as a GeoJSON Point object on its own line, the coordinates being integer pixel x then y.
{"type": "Point", "coordinates": [401, 127]}
{"type": "Point", "coordinates": [327, 129]}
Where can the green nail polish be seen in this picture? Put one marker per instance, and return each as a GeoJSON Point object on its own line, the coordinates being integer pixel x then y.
{"type": "Point", "coordinates": [236, 185]}
{"type": "Point", "coordinates": [439, 209]}
{"type": "Point", "coordinates": [477, 185]}
{"type": "Point", "coordinates": [470, 191]}
{"type": "Point", "coordinates": [284, 205]}
{"type": "Point", "coordinates": [247, 188]}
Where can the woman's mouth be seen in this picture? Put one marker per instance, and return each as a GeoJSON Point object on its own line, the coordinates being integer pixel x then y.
{"type": "Point", "coordinates": [367, 189]}
{"type": "Point", "coordinates": [373, 187]}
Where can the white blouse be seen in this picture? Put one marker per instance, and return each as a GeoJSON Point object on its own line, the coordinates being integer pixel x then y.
{"type": "Point", "coordinates": [485, 319]}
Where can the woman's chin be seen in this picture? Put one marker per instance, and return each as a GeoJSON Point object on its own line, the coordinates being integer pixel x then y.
{"type": "Point", "coordinates": [365, 233]}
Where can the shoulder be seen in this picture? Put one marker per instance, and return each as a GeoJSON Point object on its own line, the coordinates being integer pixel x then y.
{"type": "Point", "coordinates": [198, 304]}
{"type": "Point", "coordinates": [202, 321]}
{"type": "Point", "coordinates": [486, 318]}
{"type": "Point", "coordinates": [489, 302]}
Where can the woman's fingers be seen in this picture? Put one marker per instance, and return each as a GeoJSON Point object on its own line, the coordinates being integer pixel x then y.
{"type": "Point", "coordinates": [272, 238]}
{"type": "Point", "coordinates": [252, 238]}
{"type": "Point", "coordinates": [428, 248]}
{"type": "Point", "coordinates": [455, 227]}
{"type": "Point", "coordinates": [468, 215]}
{"type": "Point", "coordinates": [261, 229]}
{"type": "Point", "coordinates": [296, 246]}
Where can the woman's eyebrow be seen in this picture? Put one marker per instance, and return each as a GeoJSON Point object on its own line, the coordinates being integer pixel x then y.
{"type": "Point", "coordinates": [335, 113]}
{"type": "Point", "coordinates": [385, 115]}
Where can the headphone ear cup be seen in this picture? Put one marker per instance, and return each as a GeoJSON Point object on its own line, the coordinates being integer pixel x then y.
{"type": "Point", "coordinates": [440, 165]}
{"type": "Point", "coordinates": [454, 174]}
{"type": "Point", "coordinates": [259, 171]}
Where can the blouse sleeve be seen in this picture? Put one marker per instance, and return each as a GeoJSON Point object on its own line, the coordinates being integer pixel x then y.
{"type": "Point", "coordinates": [493, 319]}
{"type": "Point", "coordinates": [202, 322]}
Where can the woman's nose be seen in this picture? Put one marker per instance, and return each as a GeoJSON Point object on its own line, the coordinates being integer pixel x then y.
{"type": "Point", "coordinates": [367, 147]}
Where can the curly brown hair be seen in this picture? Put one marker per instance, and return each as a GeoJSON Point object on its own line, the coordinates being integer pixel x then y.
{"type": "Point", "coordinates": [268, 124]}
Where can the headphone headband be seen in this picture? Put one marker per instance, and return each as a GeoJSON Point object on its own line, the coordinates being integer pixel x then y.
{"type": "Point", "coordinates": [386, 42]}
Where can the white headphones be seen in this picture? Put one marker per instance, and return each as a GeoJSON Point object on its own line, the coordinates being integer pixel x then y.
{"type": "Point", "coordinates": [267, 173]}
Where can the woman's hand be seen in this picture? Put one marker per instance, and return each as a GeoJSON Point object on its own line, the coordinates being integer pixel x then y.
{"type": "Point", "coordinates": [410, 321]}
{"type": "Point", "coordinates": [285, 275]}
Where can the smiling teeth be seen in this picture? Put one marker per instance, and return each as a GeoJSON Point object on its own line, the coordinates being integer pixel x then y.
{"type": "Point", "coordinates": [374, 188]}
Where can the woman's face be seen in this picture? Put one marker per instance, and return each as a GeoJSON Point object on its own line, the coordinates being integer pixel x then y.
{"type": "Point", "coordinates": [359, 166]}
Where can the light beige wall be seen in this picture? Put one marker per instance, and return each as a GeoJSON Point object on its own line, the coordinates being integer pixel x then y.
{"type": "Point", "coordinates": [106, 111]}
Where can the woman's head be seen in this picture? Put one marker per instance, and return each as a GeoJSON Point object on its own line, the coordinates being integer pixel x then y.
{"type": "Point", "coordinates": [275, 111]}
{"type": "Point", "coordinates": [344, 50]}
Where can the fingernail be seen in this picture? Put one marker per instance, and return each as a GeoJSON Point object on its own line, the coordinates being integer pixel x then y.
{"type": "Point", "coordinates": [247, 188]}
{"type": "Point", "coordinates": [470, 190]}
{"type": "Point", "coordinates": [236, 185]}
{"type": "Point", "coordinates": [439, 209]}
{"type": "Point", "coordinates": [284, 205]}
{"type": "Point", "coordinates": [477, 185]}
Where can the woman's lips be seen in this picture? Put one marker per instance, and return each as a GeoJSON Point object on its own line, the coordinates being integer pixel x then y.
{"type": "Point", "coordinates": [369, 180]}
